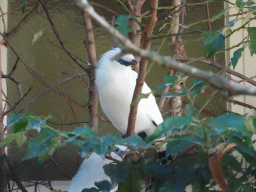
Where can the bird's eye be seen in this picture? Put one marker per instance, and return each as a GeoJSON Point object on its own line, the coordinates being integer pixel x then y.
{"type": "Point", "coordinates": [117, 150]}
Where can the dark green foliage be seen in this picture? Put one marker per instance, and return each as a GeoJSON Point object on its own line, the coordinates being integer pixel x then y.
{"type": "Point", "coordinates": [236, 57]}
{"type": "Point", "coordinates": [122, 21]}
{"type": "Point", "coordinates": [213, 44]}
{"type": "Point", "coordinates": [252, 35]}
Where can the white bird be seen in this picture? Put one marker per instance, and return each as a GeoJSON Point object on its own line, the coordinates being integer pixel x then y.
{"type": "Point", "coordinates": [91, 170]}
{"type": "Point", "coordinates": [116, 82]}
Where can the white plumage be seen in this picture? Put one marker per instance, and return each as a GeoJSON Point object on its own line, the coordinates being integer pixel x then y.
{"type": "Point", "coordinates": [91, 170]}
{"type": "Point", "coordinates": [116, 84]}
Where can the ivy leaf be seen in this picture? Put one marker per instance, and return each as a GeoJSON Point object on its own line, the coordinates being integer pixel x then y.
{"type": "Point", "coordinates": [133, 183]}
{"type": "Point", "coordinates": [190, 111]}
{"type": "Point", "coordinates": [20, 126]}
{"type": "Point", "coordinates": [236, 56]}
{"type": "Point", "coordinates": [117, 172]}
{"type": "Point", "coordinates": [14, 118]}
{"type": "Point", "coordinates": [104, 185]}
{"type": "Point", "coordinates": [252, 34]}
{"type": "Point", "coordinates": [93, 189]}
{"type": "Point", "coordinates": [223, 122]}
{"type": "Point", "coordinates": [218, 15]}
{"type": "Point", "coordinates": [170, 80]}
{"type": "Point", "coordinates": [167, 126]}
{"type": "Point", "coordinates": [7, 140]}
{"type": "Point", "coordinates": [40, 144]}
{"type": "Point", "coordinates": [23, 6]}
{"type": "Point", "coordinates": [179, 93]}
{"type": "Point", "coordinates": [20, 138]}
{"type": "Point", "coordinates": [84, 131]}
{"type": "Point", "coordinates": [213, 44]}
{"type": "Point", "coordinates": [199, 86]}
{"type": "Point", "coordinates": [133, 141]}
{"type": "Point", "coordinates": [55, 143]}
{"type": "Point", "coordinates": [232, 23]}
{"type": "Point", "coordinates": [106, 141]}
{"type": "Point", "coordinates": [36, 122]}
{"type": "Point", "coordinates": [179, 144]}
{"type": "Point", "coordinates": [122, 21]}
{"type": "Point", "coordinates": [37, 36]}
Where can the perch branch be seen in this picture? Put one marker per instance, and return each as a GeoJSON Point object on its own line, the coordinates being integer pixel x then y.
{"type": "Point", "coordinates": [218, 82]}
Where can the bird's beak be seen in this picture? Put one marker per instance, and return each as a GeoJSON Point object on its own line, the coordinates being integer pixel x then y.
{"type": "Point", "coordinates": [134, 62]}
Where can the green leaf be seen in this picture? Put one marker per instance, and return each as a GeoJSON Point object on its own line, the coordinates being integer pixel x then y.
{"type": "Point", "coordinates": [218, 15]}
{"type": "Point", "coordinates": [232, 162]}
{"type": "Point", "coordinates": [252, 35]}
{"type": "Point", "coordinates": [37, 36]}
{"type": "Point", "coordinates": [20, 138]}
{"type": "Point", "coordinates": [7, 140]}
{"type": "Point", "coordinates": [104, 185]}
{"type": "Point", "coordinates": [212, 45]}
{"type": "Point", "coordinates": [36, 122]}
{"type": "Point", "coordinates": [117, 172]}
{"type": "Point", "coordinates": [167, 126]}
{"type": "Point", "coordinates": [133, 183]}
{"type": "Point", "coordinates": [14, 118]}
{"type": "Point", "coordinates": [244, 145]}
{"type": "Point", "coordinates": [199, 86]}
{"type": "Point", "coordinates": [106, 141]}
{"type": "Point", "coordinates": [179, 144]}
{"type": "Point", "coordinates": [84, 131]}
{"type": "Point", "coordinates": [123, 21]}
{"type": "Point", "coordinates": [236, 57]}
{"type": "Point", "coordinates": [232, 23]}
{"type": "Point", "coordinates": [20, 126]}
{"type": "Point", "coordinates": [180, 93]}
{"type": "Point", "coordinates": [170, 80]}
{"type": "Point", "coordinates": [240, 4]}
{"type": "Point", "coordinates": [134, 142]}
{"type": "Point", "coordinates": [93, 189]}
{"type": "Point", "coordinates": [141, 96]}
{"type": "Point", "coordinates": [23, 6]}
{"type": "Point", "coordinates": [55, 143]}
{"type": "Point", "coordinates": [163, 26]}
{"type": "Point", "coordinates": [190, 111]}
{"type": "Point", "coordinates": [40, 144]}
{"type": "Point", "coordinates": [223, 122]}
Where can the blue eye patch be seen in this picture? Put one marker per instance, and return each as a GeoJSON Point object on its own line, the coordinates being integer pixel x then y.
{"type": "Point", "coordinates": [126, 63]}
{"type": "Point", "coordinates": [123, 62]}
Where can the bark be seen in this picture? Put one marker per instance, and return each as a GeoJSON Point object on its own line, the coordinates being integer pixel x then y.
{"type": "Point", "coordinates": [93, 91]}
{"type": "Point", "coordinates": [228, 87]}
{"type": "Point", "coordinates": [135, 34]}
{"type": "Point", "coordinates": [21, 24]}
{"type": "Point", "coordinates": [143, 66]}
{"type": "Point", "coordinates": [177, 49]}
{"type": "Point", "coordinates": [3, 176]}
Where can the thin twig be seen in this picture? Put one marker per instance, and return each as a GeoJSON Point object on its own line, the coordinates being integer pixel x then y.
{"type": "Point", "coordinates": [58, 37]}
{"type": "Point", "coordinates": [49, 89]}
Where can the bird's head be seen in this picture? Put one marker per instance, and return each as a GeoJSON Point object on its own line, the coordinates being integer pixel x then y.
{"type": "Point", "coordinates": [127, 60]}
{"type": "Point", "coordinates": [109, 57]}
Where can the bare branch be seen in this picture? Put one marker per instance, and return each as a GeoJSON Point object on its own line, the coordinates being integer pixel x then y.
{"type": "Point", "coordinates": [49, 89]}
{"type": "Point", "coordinates": [214, 64]}
{"type": "Point", "coordinates": [21, 24]}
{"type": "Point", "coordinates": [143, 67]}
{"type": "Point", "coordinates": [93, 91]}
{"type": "Point", "coordinates": [13, 107]}
{"type": "Point", "coordinates": [58, 37]}
{"type": "Point", "coordinates": [218, 82]}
